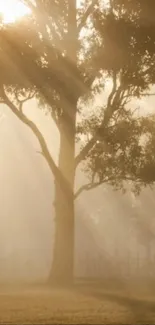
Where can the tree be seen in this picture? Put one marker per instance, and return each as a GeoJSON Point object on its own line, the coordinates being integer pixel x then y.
{"type": "Point", "coordinates": [63, 56]}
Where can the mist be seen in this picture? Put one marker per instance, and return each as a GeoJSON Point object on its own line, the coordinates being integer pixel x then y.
{"type": "Point", "coordinates": [114, 232]}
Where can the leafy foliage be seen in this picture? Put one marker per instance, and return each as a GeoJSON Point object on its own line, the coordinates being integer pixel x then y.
{"type": "Point", "coordinates": [124, 153]}
{"type": "Point", "coordinates": [63, 63]}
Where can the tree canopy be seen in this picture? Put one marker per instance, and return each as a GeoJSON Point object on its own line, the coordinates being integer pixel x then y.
{"type": "Point", "coordinates": [115, 42]}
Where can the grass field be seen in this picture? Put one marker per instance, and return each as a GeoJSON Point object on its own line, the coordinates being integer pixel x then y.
{"type": "Point", "coordinates": [86, 304]}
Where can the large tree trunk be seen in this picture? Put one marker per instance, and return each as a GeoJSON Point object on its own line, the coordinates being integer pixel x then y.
{"type": "Point", "coordinates": [62, 271]}
{"type": "Point", "coordinates": [63, 254]}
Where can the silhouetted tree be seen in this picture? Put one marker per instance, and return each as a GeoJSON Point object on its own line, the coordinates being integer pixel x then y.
{"type": "Point", "coordinates": [63, 54]}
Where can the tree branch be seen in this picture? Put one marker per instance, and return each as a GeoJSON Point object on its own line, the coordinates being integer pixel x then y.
{"type": "Point", "coordinates": [148, 94]}
{"type": "Point", "coordinates": [45, 152]}
{"type": "Point", "coordinates": [83, 153]}
{"type": "Point", "coordinates": [86, 15]}
{"type": "Point", "coordinates": [107, 115]}
{"type": "Point", "coordinates": [22, 101]}
{"type": "Point", "coordinates": [113, 88]}
{"type": "Point", "coordinates": [55, 119]}
{"type": "Point", "coordinates": [19, 113]}
{"type": "Point", "coordinates": [29, 96]}
{"type": "Point", "coordinates": [93, 185]}
{"type": "Point", "coordinates": [86, 187]}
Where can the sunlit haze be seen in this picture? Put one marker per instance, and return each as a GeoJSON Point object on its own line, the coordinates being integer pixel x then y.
{"type": "Point", "coordinates": [77, 162]}
{"type": "Point", "coordinates": [12, 10]}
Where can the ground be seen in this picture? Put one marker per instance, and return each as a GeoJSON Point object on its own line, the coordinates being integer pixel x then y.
{"type": "Point", "coordinates": [117, 303]}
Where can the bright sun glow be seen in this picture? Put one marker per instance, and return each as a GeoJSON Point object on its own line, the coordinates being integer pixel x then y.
{"type": "Point", "coordinates": [12, 10]}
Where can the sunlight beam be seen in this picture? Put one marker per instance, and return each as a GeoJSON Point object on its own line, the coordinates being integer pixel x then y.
{"type": "Point", "coordinates": [12, 10]}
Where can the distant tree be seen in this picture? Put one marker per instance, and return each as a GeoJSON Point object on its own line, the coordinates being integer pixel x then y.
{"type": "Point", "coordinates": [63, 54]}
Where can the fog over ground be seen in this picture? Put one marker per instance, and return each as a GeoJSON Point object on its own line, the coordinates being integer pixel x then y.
{"type": "Point", "coordinates": [110, 227]}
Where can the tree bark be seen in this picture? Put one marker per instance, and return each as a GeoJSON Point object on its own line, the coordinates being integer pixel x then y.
{"type": "Point", "coordinates": [62, 271]}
